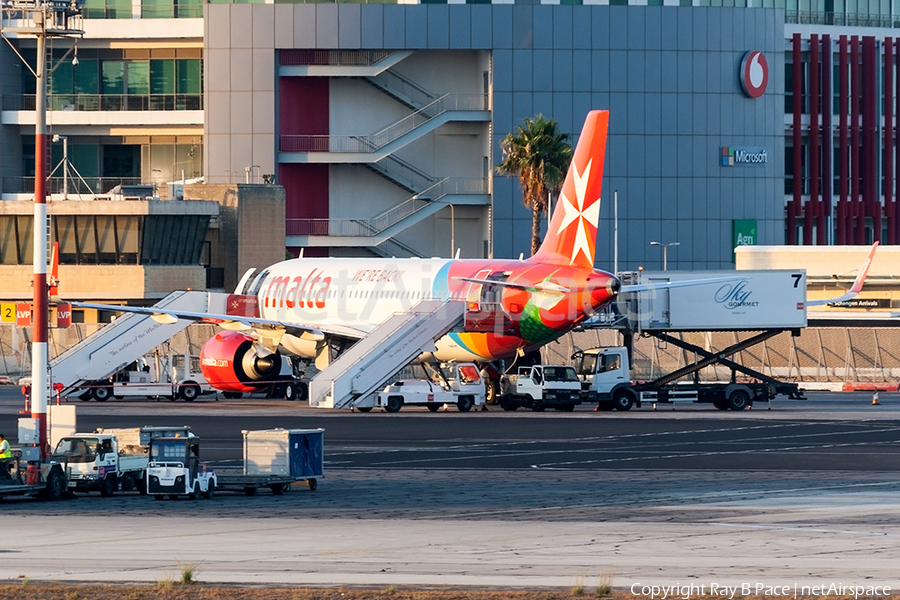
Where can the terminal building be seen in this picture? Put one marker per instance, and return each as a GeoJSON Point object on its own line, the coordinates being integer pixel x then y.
{"type": "Point", "coordinates": [382, 122]}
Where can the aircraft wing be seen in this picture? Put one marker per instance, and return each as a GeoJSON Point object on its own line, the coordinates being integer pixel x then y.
{"type": "Point", "coordinates": [344, 331]}
{"type": "Point", "coordinates": [857, 284]}
{"type": "Point", "coordinates": [231, 322]}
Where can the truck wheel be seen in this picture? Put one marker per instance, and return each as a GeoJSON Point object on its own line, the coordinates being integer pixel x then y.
{"type": "Point", "coordinates": [109, 486]}
{"type": "Point", "coordinates": [141, 485]}
{"type": "Point", "coordinates": [128, 482]}
{"type": "Point", "coordinates": [250, 490]}
{"type": "Point", "coordinates": [433, 407]}
{"type": "Point", "coordinates": [194, 493]}
{"type": "Point", "coordinates": [606, 405]}
{"type": "Point", "coordinates": [56, 484]}
{"type": "Point", "coordinates": [232, 395]}
{"type": "Point", "coordinates": [739, 400]}
{"type": "Point", "coordinates": [277, 488]}
{"type": "Point", "coordinates": [394, 403]}
{"type": "Point", "coordinates": [86, 395]}
{"type": "Point", "coordinates": [491, 391]}
{"type": "Point", "coordinates": [313, 484]}
{"type": "Point", "coordinates": [302, 391]}
{"type": "Point", "coordinates": [189, 392]}
{"type": "Point", "coordinates": [158, 497]}
{"type": "Point", "coordinates": [721, 405]}
{"type": "Point", "coordinates": [465, 403]}
{"type": "Point", "coordinates": [622, 400]}
{"type": "Point", "coordinates": [537, 406]}
{"type": "Point", "coordinates": [364, 409]}
{"type": "Point", "coordinates": [210, 490]}
{"type": "Point", "coordinates": [567, 407]}
{"type": "Point", "coordinates": [290, 391]}
{"type": "Point", "coordinates": [508, 404]}
{"type": "Point", "coordinates": [102, 393]}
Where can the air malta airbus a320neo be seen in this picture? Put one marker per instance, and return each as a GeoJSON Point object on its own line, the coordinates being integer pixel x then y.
{"type": "Point", "coordinates": [300, 306]}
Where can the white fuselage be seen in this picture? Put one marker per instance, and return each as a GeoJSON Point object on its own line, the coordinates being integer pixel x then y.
{"type": "Point", "coordinates": [357, 295]}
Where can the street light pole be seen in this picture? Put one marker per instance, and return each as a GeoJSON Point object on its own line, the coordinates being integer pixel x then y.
{"type": "Point", "coordinates": [40, 387]}
{"type": "Point", "coordinates": [665, 249]}
{"type": "Point", "coordinates": [41, 19]}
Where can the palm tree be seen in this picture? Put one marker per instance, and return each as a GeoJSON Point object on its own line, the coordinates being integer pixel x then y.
{"type": "Point", "coordinates": [539, 155]}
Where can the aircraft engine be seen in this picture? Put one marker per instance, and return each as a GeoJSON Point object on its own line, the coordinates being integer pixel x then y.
{"type": "Point", "coordinates": [230, 363]}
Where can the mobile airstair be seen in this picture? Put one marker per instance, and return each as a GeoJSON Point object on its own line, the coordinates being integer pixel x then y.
{"type": "Point", "coordinates": [369, 363]}
{"type": "Point", "coordinates": [121, 342]}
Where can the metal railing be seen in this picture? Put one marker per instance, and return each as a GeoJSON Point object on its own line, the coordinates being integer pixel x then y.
{"type": "Point", "coordinates": [107, 102]}
{"type": "Point", "coordinates": [400, 86]}
{"type": "Point", "coordinates": [372, 226]}
{"type": "Point", "coordinates": [86, 187]}
{"type": "Point", "coordinates": [399, 170]}
{"type": "Point", "coordinates": [354, 58]}
{"type": "Point", "coordinates": [805, 17]}
{"type": "Point", "coordinates": [370, 143]}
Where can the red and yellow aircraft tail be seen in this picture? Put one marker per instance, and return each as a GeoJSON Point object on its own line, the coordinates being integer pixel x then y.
{"type": "Point", "coordinates": [572, 235]}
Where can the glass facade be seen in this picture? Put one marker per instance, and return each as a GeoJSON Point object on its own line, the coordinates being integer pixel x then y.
{"type": "Point", "coordinates": [149, 9]}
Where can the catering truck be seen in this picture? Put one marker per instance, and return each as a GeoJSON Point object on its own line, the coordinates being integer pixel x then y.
{"type": "Point", "coordinates": [762, 304]}
{"type": "Point", "coordinates": [606, 373]}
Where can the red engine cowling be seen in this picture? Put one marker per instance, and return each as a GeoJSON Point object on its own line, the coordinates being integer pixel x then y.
{"type": "Point", "coordinates": [230, 364]}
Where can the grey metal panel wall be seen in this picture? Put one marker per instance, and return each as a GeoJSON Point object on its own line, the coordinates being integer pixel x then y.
{"type": "Point", "coordinates": [667, 74]}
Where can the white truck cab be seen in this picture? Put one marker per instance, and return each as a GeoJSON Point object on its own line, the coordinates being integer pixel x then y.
{"type": "Point", "coordinates": [543, 386]}
{"type": "Point", "coordinates": [96, 461]}
{"type": "Point", "coordinates": [606, 376]}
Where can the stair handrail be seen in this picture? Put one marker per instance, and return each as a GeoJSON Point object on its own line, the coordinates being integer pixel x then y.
{"type": "Point", "coordinates": [376, 141]}
{"type": "Point", "coordinates": [401, 171]}
{"type": "Point", "coordinates": [406, 87]}
{"type": "Point", "coordinates": [377, 224]}
{"type": "Point", "coordinates": [438, 106]}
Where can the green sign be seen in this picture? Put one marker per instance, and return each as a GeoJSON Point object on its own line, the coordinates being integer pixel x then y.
{"type": "Point", "coordinates": [743, 233]}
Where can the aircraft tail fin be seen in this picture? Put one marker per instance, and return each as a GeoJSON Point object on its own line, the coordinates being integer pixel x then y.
{"type": "Point", "coordinates": [572, 236]}
{"type": "Point", "coordinates": [54, 272]}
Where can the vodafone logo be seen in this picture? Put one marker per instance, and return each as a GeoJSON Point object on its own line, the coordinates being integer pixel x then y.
{"type": "Point", "coordinates": [754, 74]}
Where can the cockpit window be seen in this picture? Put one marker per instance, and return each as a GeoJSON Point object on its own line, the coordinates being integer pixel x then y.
{"type": "Point", "coordinates": [257, 283]}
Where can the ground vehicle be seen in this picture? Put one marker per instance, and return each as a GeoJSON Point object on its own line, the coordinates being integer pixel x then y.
{"type": "Point", "coordinates": [543, 386]}
{"type": "Point", "coordinates": [110, 458]}
{"type": "Point", "coordinates": [96, 461]}
{"type": "Point", "coordinates": [606, 376]}
{"type": "Point", "coordinates": [154, 375]}
{"type": "Point", "coordinates": [275, 459]}
{"type": "Point", "coordinates": [459, 384]}
{"type": "Point", "coordinates": [175, 469]}
{"type": "Point", "coordinates": [31, 478]}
